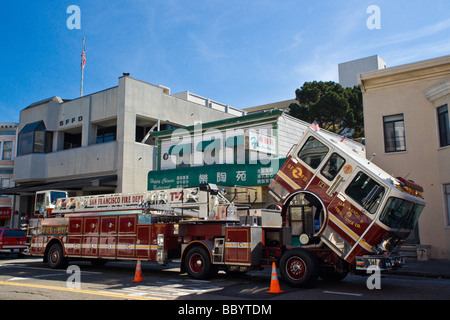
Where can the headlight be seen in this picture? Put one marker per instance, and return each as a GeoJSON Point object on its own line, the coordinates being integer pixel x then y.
{"type": "Point", "coordinates": [388, 245]}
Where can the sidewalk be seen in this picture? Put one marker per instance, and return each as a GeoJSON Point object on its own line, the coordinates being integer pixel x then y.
{"type": "Point", "coordinates": [430, 269]}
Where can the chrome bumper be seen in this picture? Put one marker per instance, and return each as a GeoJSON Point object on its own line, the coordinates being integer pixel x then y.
{"type": "Point", "coordinates": [380, 262]}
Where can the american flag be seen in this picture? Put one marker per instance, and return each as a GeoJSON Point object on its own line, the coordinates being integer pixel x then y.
{"type": "Point", "coordinates": [315, 126]}
{"type": "Point", "coordinates": [83, 59]}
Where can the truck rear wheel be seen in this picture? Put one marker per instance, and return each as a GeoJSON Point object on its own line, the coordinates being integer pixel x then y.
{"type": "Point", "coordinates": [299, 268]}
{"type": "Point", "coordinates": [55, 257]}
{"type": "Point", "coordinates": [198, 263]}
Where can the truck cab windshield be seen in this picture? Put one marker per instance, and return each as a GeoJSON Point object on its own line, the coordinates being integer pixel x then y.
{"type": "Point", "coordinates": [55, 195]}
{"type": "Point", "coordinates": [366, 192]}
{"type": "Point", "coordinates": [400, 213]}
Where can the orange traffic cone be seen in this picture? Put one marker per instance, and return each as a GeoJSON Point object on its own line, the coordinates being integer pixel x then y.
{"type": "Point", "coordinates": [138, 274]}
{"type": "Point", "coordinates": [274, 284]}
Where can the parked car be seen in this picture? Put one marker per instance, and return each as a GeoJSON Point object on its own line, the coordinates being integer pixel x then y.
{"type": "Point", "coordinates": [12, 240]}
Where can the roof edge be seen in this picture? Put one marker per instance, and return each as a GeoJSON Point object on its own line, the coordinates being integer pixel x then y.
{"type": "Point", "coordinates": [267, 115]}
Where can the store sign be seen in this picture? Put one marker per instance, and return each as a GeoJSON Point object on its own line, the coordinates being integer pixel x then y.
{"type": "Point", "coordinates": [262, 142]}
{"type": "Point", "coordinates": [226, 175]}
{"type": "Point", "coordinates": [5, 213]}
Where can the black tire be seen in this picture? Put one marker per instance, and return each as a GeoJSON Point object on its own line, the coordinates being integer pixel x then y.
{"type": "Point", "coordinates": [55, 257]}
{"type": "Point", "coordinates": [299, 268]}
{"type": "Point", "coordinates": [198, 263]}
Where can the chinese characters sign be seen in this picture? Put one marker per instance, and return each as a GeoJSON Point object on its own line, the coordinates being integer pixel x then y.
{"type": "Point", "coordinates": [220, 174]}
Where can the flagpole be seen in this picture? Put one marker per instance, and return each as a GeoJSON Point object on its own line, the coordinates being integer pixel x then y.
{"type": "Point", "coordinates": [82, 69]}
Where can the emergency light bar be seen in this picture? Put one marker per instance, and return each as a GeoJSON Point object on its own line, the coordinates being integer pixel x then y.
{"type": "Point", "coordinates": [410, 184]}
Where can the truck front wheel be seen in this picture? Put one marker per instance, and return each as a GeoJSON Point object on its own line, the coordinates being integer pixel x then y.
{"type": "Point", "coordinates": [299, 268]}
{"type": "Point", "coordinates": [55, 257]}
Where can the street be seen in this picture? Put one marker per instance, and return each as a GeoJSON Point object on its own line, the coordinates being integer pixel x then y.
{"type": "Point", "coordinates": [30, 279]}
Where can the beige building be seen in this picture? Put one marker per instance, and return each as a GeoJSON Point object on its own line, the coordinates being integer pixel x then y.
{"type": "Point", "coordinates": [407, 128]}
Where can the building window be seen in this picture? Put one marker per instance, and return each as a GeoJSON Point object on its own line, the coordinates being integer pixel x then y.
{"type": "Point", "coordinates": [7, 150]}
{"type": "Point", "coordinates": [106, 134]}
{"type": "Point", "coordinates": [34, 138]}
{"type": "Point", "coordinates": [6, 183]}
{"type": "Point", "coordinates": [394, 133]}
{"type": "Point", "coordinates": [443, 125]}
{"type": "Point", "coordinates": [72, 140]}
{"type": "Point", "coordinates": [447, 201]}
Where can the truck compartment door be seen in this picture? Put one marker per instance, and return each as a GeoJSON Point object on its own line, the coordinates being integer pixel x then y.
{"type": "Point", "coordinates": [126, 240]}
{"type": "Point", "coordinates": [108, 236]}
{"type": "Point", "coordinates": [243, 245]}
{"type": "Point", "coordinates": [91, 235]}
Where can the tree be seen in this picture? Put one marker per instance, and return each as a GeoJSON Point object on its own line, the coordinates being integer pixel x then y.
{"type": "Point", "coordinates": [331, 105]}
{"type": "Point", "coordinates": [355, 117]}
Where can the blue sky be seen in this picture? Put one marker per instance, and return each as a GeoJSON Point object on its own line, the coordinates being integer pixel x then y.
{"type": "Point", "coordinates": [242, 53]}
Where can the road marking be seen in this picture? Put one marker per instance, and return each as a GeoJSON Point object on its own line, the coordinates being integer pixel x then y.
{"type": "Point", "coordinates": [36, 276]}
{"type": "Point", "coordinates": [344, 293]}
{"type": "Point", "coordinates": [171, 289]}
{"type": "Point", "coordinates": [46, 269]}
{"type": "Point", "coordinates": [99, 293]}
{"type": "Point", "coordinates": [18, 278]}
{"type": "Point", "coordinates": [47, 275]}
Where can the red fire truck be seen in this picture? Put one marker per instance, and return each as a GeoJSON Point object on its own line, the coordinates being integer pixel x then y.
{"type": "Point", "coordinates": [340, 213]}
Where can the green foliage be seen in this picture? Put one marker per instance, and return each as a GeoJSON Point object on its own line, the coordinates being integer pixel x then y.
{"type": "Point", "coordinates": [331, 105]}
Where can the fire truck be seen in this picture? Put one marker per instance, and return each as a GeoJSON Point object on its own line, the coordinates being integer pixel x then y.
{"type": "Point", "coordinates": [336, 212]}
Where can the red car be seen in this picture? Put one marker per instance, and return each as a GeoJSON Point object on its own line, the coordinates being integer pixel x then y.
{"type": "Point", "coordinates": [12, 240]}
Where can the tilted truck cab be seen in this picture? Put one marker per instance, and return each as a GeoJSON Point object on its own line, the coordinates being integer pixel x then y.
{"type": "Point", "coordinates": [343, 208]}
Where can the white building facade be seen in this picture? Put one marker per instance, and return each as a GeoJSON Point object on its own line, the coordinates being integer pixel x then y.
{"type": "Point", "coordinates": [348, 71]}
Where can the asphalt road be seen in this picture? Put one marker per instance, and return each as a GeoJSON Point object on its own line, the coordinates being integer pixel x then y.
{"type": "Point", "coordinates": [31, 279]}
